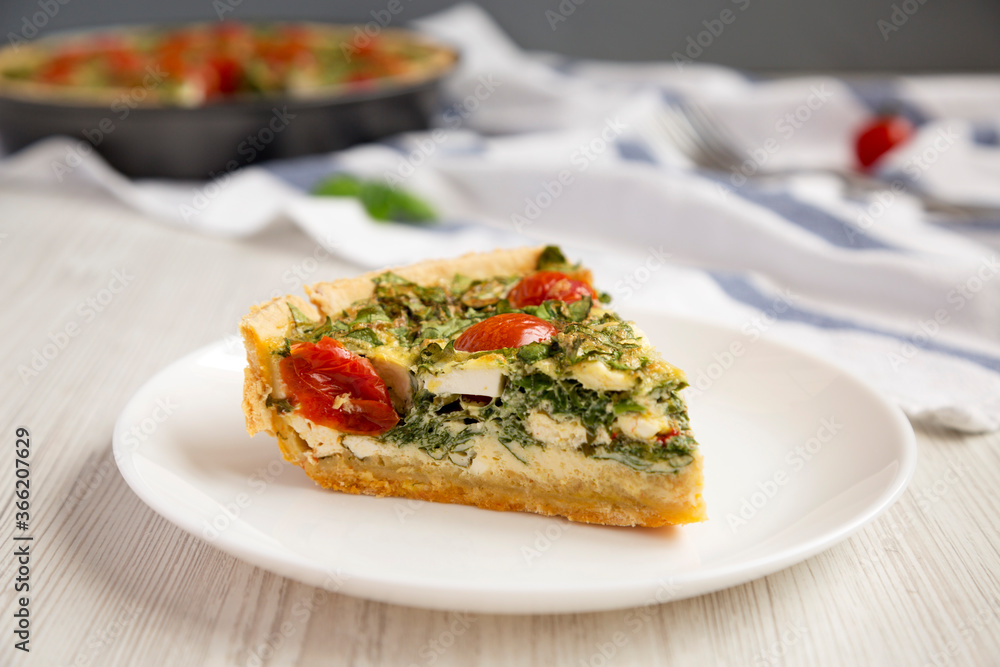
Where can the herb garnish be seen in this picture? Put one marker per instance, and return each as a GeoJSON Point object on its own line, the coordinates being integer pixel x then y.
{"type": "Point", "coordinates": [383, 202]}
{"type": "Point", "coordinates": [282, 405]}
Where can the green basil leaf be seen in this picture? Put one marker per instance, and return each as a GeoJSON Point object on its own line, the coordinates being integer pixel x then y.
{"type": "Point", "coordinates": [298, 317]}
{"type": "Point", "coordinates": [578, 310]}
{"type": "Point", "coordinates": [628, 405]}
{"type": "Point", "coordinates": [533, 352]}
{"type": "Point", "coordinates": [551, 258]}
{"type": "Point", "coordinates": [371, 314]}
{"type": "Point", "coordinates": [283, 405]}
{"type": "Point", "coordinates": [366, 335]}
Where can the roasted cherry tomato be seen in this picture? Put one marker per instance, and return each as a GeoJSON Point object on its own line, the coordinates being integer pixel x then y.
{"type": "Point", "coordinates": [544, 285]}
{"type": "Point", "coordinates": [123, 61]}
{"type": "Point", "coordinates": [227, 75]}
{"type": "Point", "coordinates": [61, 68]}
{"type": "Point", "coordinates": [879, 137]}
{"type": "Point", "coordinates": [664, 437]}
{"type": "Point", "coordinates": [334, 387]}
{"type": "Point", "coordinates": [507, 330]}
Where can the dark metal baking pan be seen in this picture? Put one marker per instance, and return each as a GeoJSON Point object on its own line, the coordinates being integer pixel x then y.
{"type": "Point", "coordinates": [159, 141]}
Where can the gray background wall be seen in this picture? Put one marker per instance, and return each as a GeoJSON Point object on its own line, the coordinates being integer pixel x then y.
{"type": "Point", "coordinates": [774, 35]}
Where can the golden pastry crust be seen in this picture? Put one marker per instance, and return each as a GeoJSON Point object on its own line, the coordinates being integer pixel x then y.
{"type": "Point", "coordinates": [597, 491]}
{"type": "Point", "coordinates": [263, 330]}
{"type": "Point", "coordinates": [331, 298]}
{"type": "Point", "coordinates": [611, 495]}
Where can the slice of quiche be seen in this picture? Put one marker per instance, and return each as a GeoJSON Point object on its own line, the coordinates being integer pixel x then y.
{"type": "Point", "coordinates": [498, 380]}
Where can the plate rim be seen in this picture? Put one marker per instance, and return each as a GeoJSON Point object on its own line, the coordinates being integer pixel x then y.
{"type": "Point", "coordinates": [510, 601]}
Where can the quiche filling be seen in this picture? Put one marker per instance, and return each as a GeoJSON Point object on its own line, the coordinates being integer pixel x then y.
{"type": "Point", "coordinates": [206, 63]}
{"type": "Point", "coordinates": [591, 384]}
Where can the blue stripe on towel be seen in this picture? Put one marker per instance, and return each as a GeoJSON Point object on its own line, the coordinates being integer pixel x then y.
{"type": "Point", "coordinates": [827, 226]}
{"type": "Point", "coordinates": [739, 288]}
{"type": "Point", "coordinates": [883, 95]}
{"type": "Point", "coordinates": [812, 219]}
{"type": "Point", "coordinates": [815, 220]}
{"type": "Point", "coordinates": [302, 172]}
{"type": "Point", "coordinates": [984, 134]}
{"type": "Point", "coordinates": [965, 224]}
{"type": "Point", "coordinates": [562, 63]}
{"type": "Point", "coordinates": [671, 97]}
{"type": "Point", "coordinates": [634, 150]}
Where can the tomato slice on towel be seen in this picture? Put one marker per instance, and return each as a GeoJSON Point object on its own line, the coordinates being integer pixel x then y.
{"type": "Point", "coordinates": [879, 137]}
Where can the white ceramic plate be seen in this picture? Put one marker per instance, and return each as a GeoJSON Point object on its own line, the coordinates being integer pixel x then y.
{"type": "Point", "coordinates": [798, 456]}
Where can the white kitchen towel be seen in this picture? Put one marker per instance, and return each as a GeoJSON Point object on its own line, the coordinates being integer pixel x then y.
{"type": "Point", "coordinates": [533, 148]}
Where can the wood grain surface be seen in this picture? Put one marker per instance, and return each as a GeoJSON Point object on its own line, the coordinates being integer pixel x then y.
{"type": "Point", "coordinates": [115, 584]}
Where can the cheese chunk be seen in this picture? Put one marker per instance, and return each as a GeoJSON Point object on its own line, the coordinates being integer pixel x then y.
{"type": "Point", "coordinates": [397, 378]}
{"type": "Point", "coordinates": [475, 381]}
{"type": "Point", "coordinates": [595, 375]}
{"type": "Point", "coordinates": [644, 426]}
{"type": "Point", "coordinates": [567, 434]}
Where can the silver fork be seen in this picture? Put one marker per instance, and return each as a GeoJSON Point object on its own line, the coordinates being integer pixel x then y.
{"type": "Point", "coordinates": [698, 134]}
{"type": "Point", "coordinates": [702, 138]}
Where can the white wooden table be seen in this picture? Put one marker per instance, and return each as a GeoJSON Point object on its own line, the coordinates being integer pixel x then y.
{"type": "Point", "coordinates": [112, 583]}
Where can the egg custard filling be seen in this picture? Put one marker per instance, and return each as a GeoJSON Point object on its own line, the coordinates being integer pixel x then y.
{"type": "Point", "coordinates": [499, 380]}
